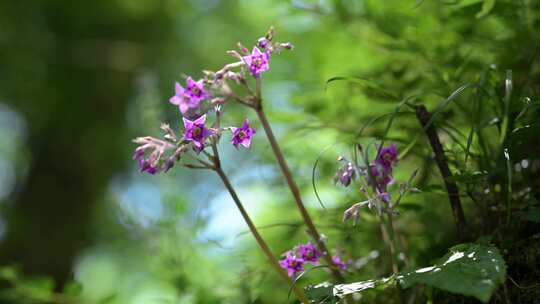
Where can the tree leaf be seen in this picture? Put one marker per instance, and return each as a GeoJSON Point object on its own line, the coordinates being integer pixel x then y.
{"type": "Point", "coordinates": [368, 86]}
{"type": "Point", "coordinates": [533, 215]}
{"type": "Point", "coordinates": [321, 293]}
{"type": "Point", "coordinates": [326, 293]}
{"type": "Point", "coordinates": [487, 6]}
{"type": "Point", "coordinates": [469, 177]}
{"type": "Point", "coordinates": [469, 269]}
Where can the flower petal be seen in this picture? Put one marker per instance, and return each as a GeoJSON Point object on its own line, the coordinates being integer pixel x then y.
{"type": "Point", "coordinates": [200, 120]}
{"type": "Point", "coordinates": [178, 89]}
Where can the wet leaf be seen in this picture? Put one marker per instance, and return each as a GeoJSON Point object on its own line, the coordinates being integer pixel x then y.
{"type": "Point", "coordinates": [469, 269]}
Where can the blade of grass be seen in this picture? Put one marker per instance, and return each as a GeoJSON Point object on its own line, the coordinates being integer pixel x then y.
{"type": "Point", "coordinates": [506, 104]}
{"type": "Point", "coordinates": [445, 103]}
{"type": "Point", "coordinates": [509, 185]}
{"type": "Point", "coordinates": [301, 276]}
{"type": "Point", "coordinates": [313, 172]}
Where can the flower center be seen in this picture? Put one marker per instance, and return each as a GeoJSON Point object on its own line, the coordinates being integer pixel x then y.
{"type": "Point", "coordinates": [257, 61]}
{"type": "Point", "coordinates": [196, 91]}
{"type": "Point", "coordinates": [196, 131]}
{"type": "Point", "coordinates": [387, 157]}
{"type": "Point", "coordinates": [242, 134]}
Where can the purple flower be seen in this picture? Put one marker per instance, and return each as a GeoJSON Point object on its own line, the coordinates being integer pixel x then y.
{"type": "Point", "coordinates": [292, 264]}
{"type": "Point", "coordinates": [339, 263]}
{"type": "Point", "coordinates": [384, 196]}
{"type": "Point", "coordinates": [257, 62]}
{"type": "Point", "coordinates": [262, 42]}
{"type": "Point", "coordinates": [157, 148]}
{"type": "Point", "coordinates": [196, 132]}
{"type": "Point", "coordinates": [345, 174]}
{"type": "Point", "coordinates": [381, 179]}
{"type": "Point", "coordinates": [308, 252]}
{"type": "Point", "coordinates": [190, 97]}
{"type": "Point", "coordinates": [242, 136]}
{"type": "Point", "coordinates": [144, 165]}
{"type": "Point", "coordinates": [387, 157]}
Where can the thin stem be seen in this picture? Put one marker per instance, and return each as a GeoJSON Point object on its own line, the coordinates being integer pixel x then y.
{"type": "Point", "coordinates": [388, 240]}
{"type": "Point", "coordinates": [394, 239]}
{"type": "Point", "coordinates": [204, 163]}
{"type": "Point", "coordinates": [195, 167]}
{"type": "Point", "coordinates": [260, 241]}
{"type": "Point", "coordinates": [240, 100]}
{"type": "Point", "coordinates": [294, 188]}
{"type": "Point", "coordinates": [451, 187]}
{"type": "Point", "coordinates": [397, 250]}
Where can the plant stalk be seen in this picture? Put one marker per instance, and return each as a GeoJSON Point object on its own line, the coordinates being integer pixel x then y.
{"type": "Point", "coordinates": [388, 240]}
{"type": "Point", "coordinates": [451, 187]}
{"type": "Point", "coordinates": [296, 191]}
{"type": "Point", "coordinates": [260, 241]}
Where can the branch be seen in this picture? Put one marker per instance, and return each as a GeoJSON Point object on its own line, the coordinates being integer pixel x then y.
{"type": "Point", "coordinates": [451, 187]}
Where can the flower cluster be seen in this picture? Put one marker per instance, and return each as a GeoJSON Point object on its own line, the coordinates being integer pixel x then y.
{"type": "Point", "coordinates": [190, 97]}
{"type": "Point", "coordinates": [380, 175]}
{"type": "Point", "coordinates": [151, 150]}
{"type": "Point", "coordinates": [205, 98]}
{"type": "Point", "coordinates": [377, 174]}
{"type": "Point", "coordinates": [242, 136]}
{"type": "Point", "coordinates": [346, 174]}
{"type": "Point", "coordinates": [295, 259]}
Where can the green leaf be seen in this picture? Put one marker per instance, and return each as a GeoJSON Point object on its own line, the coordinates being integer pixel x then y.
{"type": "Point", "coordinates": [487, 6]}
{"type": "Point", "coordinates": [321, 293]}
{"type": "Point", "coordinates": [533, 215]}
{"type": "Point", "coordinates": [326, 293]}
{"type": "Point", "coordinates": [73, 289]}
{"type": "Point", "coordinates": [469, 177]}
{"type": "Point", "coordinates": [37, 287]}
{"type": "Point", "coordinates": [469, 269]}
{"type": "Point", "coordinates": [368, 86]}
{"type": "Point", "coordinates": [8, 273]}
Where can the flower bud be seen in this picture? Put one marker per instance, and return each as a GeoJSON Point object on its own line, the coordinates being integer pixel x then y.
{"type": "Point", "coordinates": [286, 45]}
{"type": "Point", "coordinates": [244, 50]}
{"type": "Point", "coordinates": [262, 43]}
{"type": "Point", "coordinates": [270, 34]}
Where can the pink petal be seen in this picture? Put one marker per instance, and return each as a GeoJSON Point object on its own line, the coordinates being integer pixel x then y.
{"type": "Point", "coordinates": [187, 123]}
{"type": "Point", "coordinates": [175, 100]}
{"type": "Point", "coordinates": [190, 82]}
{"type": "Point", "coordinates": [183, 107]}
{"type": "Point", "coordinates": [255, 51]}
{"type": "Point", "coordinates": [200, 120]}
{"type": "Point", "coordinates": [247, 60]}
{"type": "Point", "coordinates": [178, 89]}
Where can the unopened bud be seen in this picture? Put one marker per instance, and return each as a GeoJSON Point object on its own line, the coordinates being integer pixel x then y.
{"type": "Point", "coordinates": [270, 34]}
{"type": "Point", "coordinates": [287, 45]}
{"type": "Point", "coordinates": [244, 50]}
{"type": "Point", "coordinates": [218, 101]}
{"type": "Point", "coordinates": [415, 190]}
{"type": "Point", "coordinates": [235, 54]}
{"type": "Point", "coordinates": [262, 43]}
{"type": "Point", "coordinates": [413, 175]}
{"type": "Point", "coordinates": [169, 163]}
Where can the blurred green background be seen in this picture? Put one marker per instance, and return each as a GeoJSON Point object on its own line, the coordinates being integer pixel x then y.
{"type": "Point", "coordinates": [80, 79]}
